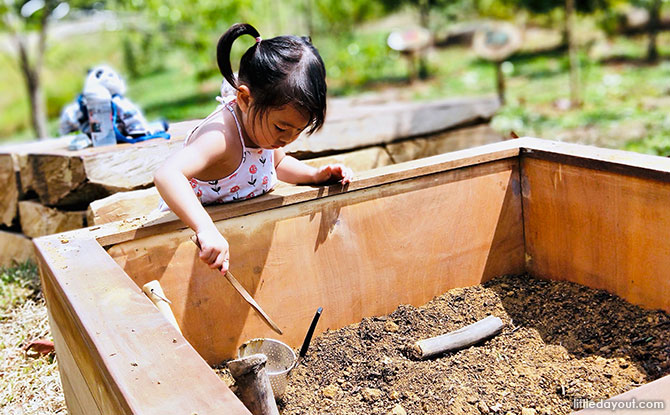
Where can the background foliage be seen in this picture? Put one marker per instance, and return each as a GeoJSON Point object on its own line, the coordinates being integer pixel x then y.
{"type": "Point", "coordinates": [166, 49]}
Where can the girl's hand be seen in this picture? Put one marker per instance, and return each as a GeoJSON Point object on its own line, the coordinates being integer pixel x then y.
{"type": "Point", "coordinates": [214, 250]}
{"type": "Point", "coordinates": [333, 173]}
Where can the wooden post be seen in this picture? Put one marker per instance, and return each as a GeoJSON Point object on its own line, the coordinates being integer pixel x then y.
{"type": "Point", "coordinates": [500, 82]}
{"type": "Point", "coordinates": [154, 291]}
{"type": "Point", "coordinates": [458, 339]}
{"type": "Point", "coordinates": [575, 100]}
{"type": "Point", "coordinates": [253, 385]}
{"type": "Point", "coordinates": [653, 29]}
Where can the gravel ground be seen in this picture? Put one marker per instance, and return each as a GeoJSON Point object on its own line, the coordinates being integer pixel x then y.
{"type": "Point", "coordinates": [29, 383]}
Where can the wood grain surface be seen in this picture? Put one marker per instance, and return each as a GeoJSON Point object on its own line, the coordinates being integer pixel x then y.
{"type": "Point", "coordinates": [356, 254]}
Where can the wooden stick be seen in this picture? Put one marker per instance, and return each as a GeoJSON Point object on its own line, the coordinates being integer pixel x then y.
{"type": "Point", "coordinates": [155, 293]}
{"type": "Point", "coordinates": [458, 339]}
{"type": "Point", "coordinates": [253, 384]}
{"type": "Point", "coordinates": [245, 294]}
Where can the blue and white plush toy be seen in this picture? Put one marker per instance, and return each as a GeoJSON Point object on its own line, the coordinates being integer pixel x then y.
{"type": "Point", "coordinates": [129, 122]}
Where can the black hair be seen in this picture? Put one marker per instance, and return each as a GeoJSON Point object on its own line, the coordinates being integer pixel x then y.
{"type": "Point", "coordinates": [278, 71]}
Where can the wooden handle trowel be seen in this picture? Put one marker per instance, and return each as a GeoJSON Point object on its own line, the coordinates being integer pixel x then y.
{"type": "Point", "coordinates": [248, 298]}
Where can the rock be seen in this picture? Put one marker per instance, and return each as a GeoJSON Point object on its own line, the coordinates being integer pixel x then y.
{"type": "Point", "coordinates": [390, 326]}
{"type": "Point", "coordinates": [371, 394]}
{"type": "Point", "coordinates": [528, 411]}
{"type": "Point", "coordinates": [483, 407]}
{"type": "Point", "coordinates": [330, 391]}
{"type": "Point", "coordinates": [397, 410]}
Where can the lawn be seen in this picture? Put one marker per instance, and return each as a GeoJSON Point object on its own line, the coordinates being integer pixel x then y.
{"type": "Point", "coordinates": [625, 103]}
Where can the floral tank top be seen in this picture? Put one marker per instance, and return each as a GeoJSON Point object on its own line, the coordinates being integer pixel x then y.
{"type": "Point", "coordinates": [254, 176]}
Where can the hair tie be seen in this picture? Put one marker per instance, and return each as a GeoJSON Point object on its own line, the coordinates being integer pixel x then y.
{"type": "Point", "coordinates": [258, 39]}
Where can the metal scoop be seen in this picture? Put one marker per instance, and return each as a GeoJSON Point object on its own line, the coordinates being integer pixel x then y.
{"type": "Point", "coordinates": [281, 358]}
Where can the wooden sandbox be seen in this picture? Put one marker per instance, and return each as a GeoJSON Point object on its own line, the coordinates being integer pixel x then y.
{"type": "Point", "coordinates": [399, 234]}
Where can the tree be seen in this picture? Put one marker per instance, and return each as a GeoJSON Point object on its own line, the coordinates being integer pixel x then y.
{"type": "Point", "coordinates": [190, 28]}
{"type": "Point", "coordinates": [653, 26]}
{"type": "Point", "coordinates": [24, 20]}
{"type": "Point", "coordinates": [570, 8]}
{"type": "Point", "coordinates": [575, 96]}
{"type": "Point", "coordinates": [344, 15]}
{"type": "Point", "coordinates": [654, 23]}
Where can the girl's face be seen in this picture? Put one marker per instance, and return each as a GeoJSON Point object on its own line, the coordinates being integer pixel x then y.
{"type": "Point", "coordinates": [277, 127]}
{"type": "Point", "coordinates": [273, 129]}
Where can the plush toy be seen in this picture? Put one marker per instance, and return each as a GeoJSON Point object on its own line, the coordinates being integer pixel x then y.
{"type": "Point", "coordinates": [130, 124]}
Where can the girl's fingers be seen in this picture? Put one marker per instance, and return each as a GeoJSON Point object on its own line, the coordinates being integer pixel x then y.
{"type": "Point", "coordinates": [326, 172]}
{"type": "Point", "coordinates": [218, 263]}
{"type": "Point", "coordinates": [345, 173]}
{"type": "Point", "coordinates": [335, 171]}
{"type": "Point", "coordinates": [204, 255]}
{"type": "Point", "coordinates": [208, 255]}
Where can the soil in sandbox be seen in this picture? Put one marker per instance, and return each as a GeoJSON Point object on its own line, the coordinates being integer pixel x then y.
{"type": "Point", "coordinates": [561, 341]}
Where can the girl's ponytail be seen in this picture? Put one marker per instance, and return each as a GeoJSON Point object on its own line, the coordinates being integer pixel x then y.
{"type": "Point", "coordinates": [224, 46]}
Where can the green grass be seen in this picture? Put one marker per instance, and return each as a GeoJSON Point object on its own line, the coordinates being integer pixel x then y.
{"type": "Point", "coordinates": [625, 101]}
{"type": "Point", "coordinates": [17, 284]}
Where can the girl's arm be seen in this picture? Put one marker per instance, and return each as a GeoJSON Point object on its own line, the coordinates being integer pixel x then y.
{"type": "Point", "coordinates": [172, 182]}
{"type": "Point", "coordinates": [291, 170]}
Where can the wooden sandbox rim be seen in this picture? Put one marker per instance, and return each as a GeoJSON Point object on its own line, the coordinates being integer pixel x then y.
{"type": "Point", "coordinates": [117, 232]}
{"type": "Point", "coordinates": [135, 349]}
{"type": "Point", "coordinates": [616, 161]}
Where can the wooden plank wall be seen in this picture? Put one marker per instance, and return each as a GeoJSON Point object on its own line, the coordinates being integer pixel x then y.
{"type": "Point", "coordinates": [117, 354]}
{"type": "Point", "coordinates": [356, 254]}
{"type": "Point", "coordinates": [598, 224]}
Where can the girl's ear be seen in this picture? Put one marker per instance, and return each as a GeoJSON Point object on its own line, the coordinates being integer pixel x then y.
{"type": "Point", "coordinates": [244, 98]}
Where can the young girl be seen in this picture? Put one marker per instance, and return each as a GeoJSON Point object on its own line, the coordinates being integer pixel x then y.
{"type": "Point", "coordinates": [235, 153]}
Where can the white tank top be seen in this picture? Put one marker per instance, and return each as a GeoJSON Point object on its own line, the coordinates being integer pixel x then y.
{"type": "Point", "coordinates": [254, 176]}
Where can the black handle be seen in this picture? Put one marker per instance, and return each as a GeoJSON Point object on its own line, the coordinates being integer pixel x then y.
{"type": "Point", "coordinates": [310, 332]}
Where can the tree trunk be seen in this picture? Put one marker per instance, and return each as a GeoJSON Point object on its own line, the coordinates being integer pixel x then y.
{"type": "Point", "coordinates": [500, 82]}
{"type": "Point", "coordinates": [424, 21]}
{"type": "Point", "coordinates": [575, 100]}
{"type": "Point", "coordinates": [308, 17]}
{"type": "Point", "coordinates": [37, 106]}
{"type": "Point", "coordinates": [32, 81]}
{"type": "Point", "coordinates": [424, 13]}
{"type": "Point", "coordinates": [31, 76]}
{"type": "Point", "coordinates": [654, 23]}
